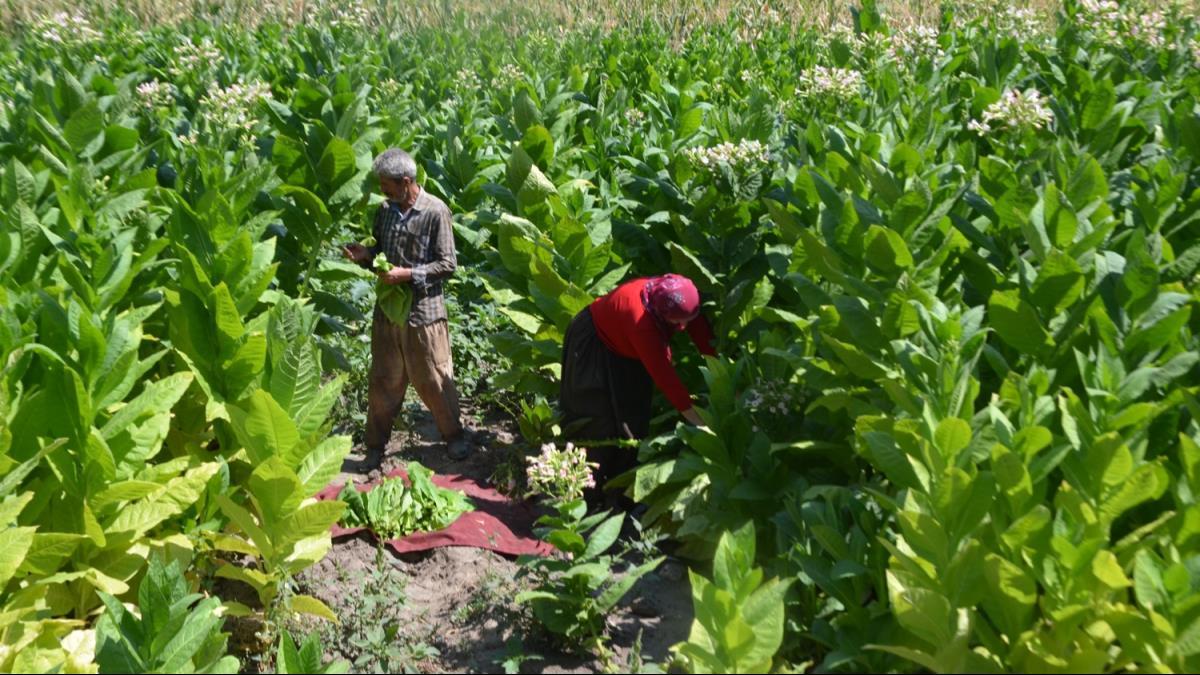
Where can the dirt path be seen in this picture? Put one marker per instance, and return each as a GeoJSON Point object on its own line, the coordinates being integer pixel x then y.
{"type": "Point", "coordinates": [459, 600]}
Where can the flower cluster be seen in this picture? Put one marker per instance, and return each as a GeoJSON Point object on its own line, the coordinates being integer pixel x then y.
{"type": "Point", "coordinates": [508, 76]}
{"type": "Point", "coordinates": [771, 396]}
{"type": "Point", "coordinates": [844, 33]}
{"type": "Point", "coordinates": [744, 158]}
{"type": "Point", "coordinates": [915, 43]}
{"type": "Point", "coordinates": [1016, 110]}
{"type": "Point", "coordinates": [100, 184]}
{"type": "Point", "coordinates": [64, 28]}
{"type": "Point", "coordinates": [1111, 22]}
{"type": "Point", "coordinates": [154, 94]}
{"type": "Point", "coordinates": [191, 58]}
{"type": "Point", "coordinates": [862, 44]}
{"type": "Point", "coordinates": [232, 107]}
{"type": "Point", "coordinates": [467, 81]}
{"type": "Point", "coordinates": [756, 23]}
{"type": "Point", "coordinates": [836, 83]}
{"type": "Point", "coordinates": [560, 474]}
{"type": "Point", "coordinates": [1149, 28]}
{"type": "Point", "coordinates": [388, 89]}
{"type": "Point", "coordinates": [634, 117]}
{"type": "Point", "coordinates": [1019, 22]}
{"type": "Point", "coordinates": [1099, 13]}
{"type": "Point", "coordinates": [348, 13]}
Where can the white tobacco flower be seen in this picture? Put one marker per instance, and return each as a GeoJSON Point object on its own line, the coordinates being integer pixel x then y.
{"type": "Point", "coordinates": [232, 107]}
{"type": "Point", "coordinates": [194, 60]}
{"type": "Point", "coordinates": [834, 83]}
{"type": "Point", "coordinates": [1017, 110]}
{"type": "Point", "coordinates": [844, 33]}
{"type": "Point", "coordinates": [981, 128]}
{"type": "Point", "coordinates": [756, 22]}
{"type": "Point", "coordinates": [154, 94]}
{"type": "Point", "coordinates": [769, 395]}
{"type": "Point", "coordinates": [1149, 29]}
{"type": "Point", "coordinates": [744, 158]}
{"type": "Point", "coordinates": [348, 13]}
{"type": "Point", "coordinates": [560, 474]}
{"type": "Point", "coordinates": [66, 28]}
{"type": "Point", "coordinates": [634, 117]}
{"type": "Point", "coordinates": [388, 88]}
{"type": "Point", "coordinates": [1102, 17]}
{"type": "Point", "coordinates": [914, 43]}
{"type": "Point", "coordinates": [1019, 22]}
{"type": "Point", "coordinates": [467, 81]}
{"type": "Point", "coordinates": [508, 76]}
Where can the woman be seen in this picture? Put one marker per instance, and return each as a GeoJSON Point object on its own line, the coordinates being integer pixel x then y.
{"type": "Point", "coordinates": [615, 352]}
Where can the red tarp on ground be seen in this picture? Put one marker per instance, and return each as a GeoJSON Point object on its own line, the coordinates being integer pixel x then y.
{"type": "Point", "coordinates": [497, 523]}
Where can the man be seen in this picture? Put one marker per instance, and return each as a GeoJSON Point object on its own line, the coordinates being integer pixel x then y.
{"type": "Point", "coordinates": [413, 229]}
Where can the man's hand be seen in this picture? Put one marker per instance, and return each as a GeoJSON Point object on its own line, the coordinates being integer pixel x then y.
{"type": "Point", "coordinates": [357, 252]}
{"type": "Point", "coordinates": [692, 417]}
{"type": "Point", "coordinates": [396, 275]}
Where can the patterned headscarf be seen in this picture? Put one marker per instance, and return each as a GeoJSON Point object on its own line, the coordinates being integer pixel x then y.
{"type": "Point", "coordinates": [671, 299]}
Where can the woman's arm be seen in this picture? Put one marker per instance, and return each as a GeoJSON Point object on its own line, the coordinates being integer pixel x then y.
{"type": "Point", "coordinates": [701, 332]}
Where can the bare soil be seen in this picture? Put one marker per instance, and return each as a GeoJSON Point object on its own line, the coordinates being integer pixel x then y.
{"type": "Point", "coordinates": [459, 600]}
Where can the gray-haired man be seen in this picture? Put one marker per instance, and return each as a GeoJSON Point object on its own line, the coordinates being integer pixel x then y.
{"type": "Point", "coordinates": [413, 229]}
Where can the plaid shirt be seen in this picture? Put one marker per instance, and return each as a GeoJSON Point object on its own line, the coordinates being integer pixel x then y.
{"type": "Point", "coordinates": [423, 240]}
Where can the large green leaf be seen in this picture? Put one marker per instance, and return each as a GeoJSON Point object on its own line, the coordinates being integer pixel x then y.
{"type": "Point", "coordinates": [48, 551]}
{"type": "Point", "coordinates": [734, 558]}
{"type": "Point", "coordinates": [323, 464]}
{"type": "Point", "coordinates": [525, 111]}
{"type": "Point", "coordinates": [886, 251]}
{"type": "Point", "coordinates": [276, 490]}
{"type": "Point", "coordinates": [1059, 283]}
{"type": "Point", "coordinates": [312, 206]}
{"type": "Point", "coordinates": [539, 145]}
{"type": "Point", "coordinates": [84, 128]}
{"type": "Point", "coordinates": [1059, 219]}
{"type": "Point", "coordinates": [264, 428]}
{"type": "Point", "coordinates": [603, 537]}
{"type": "Point", "coordinates": [297, 376]}
{"type": "Point", "coordinates": [177, 494]}
{"type": "Point", "coordinates": [526, 180]}
{"type": "Point", "coordinates": [156, 398]}
{"type": "Point", "coordinates": [689, 122]}
{"type": "Point", "coordinates": [1017, 323]}
{"type": "Point", "coordinates": [764, 612]}
{"type": "Point", "coordinates": [197, 629]}
{"type": "Point", "coordinates": [686, 263]}
{"type": "Point", "coordinates": [922, 611]}
{"type": "Point", "coordinates": [1012, 595]}
{"type": "Point", "coordinates": [337, 163]}
{"type": "Point", "coordinates": [15, 542]}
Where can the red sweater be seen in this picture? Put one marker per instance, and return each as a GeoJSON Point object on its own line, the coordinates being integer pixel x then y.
{"type": "Point", "coordinates": [630, 331]}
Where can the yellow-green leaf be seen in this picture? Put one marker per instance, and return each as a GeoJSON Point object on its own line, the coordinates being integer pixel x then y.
{"type": "Point", "coordinates": [307, 604]}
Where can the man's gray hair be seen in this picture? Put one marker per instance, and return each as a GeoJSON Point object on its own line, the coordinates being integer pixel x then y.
{"type": "Point", "coordinates": [395, 163]}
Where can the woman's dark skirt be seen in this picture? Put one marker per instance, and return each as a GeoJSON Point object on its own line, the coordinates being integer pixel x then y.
{"type": "Point", "coordinates": [603, 396]}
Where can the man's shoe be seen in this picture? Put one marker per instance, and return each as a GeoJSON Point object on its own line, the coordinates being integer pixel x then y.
{"type": "Point", "coordinates": [459, 449]}
{"type": "Point", "coordinates": [374, 459]}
